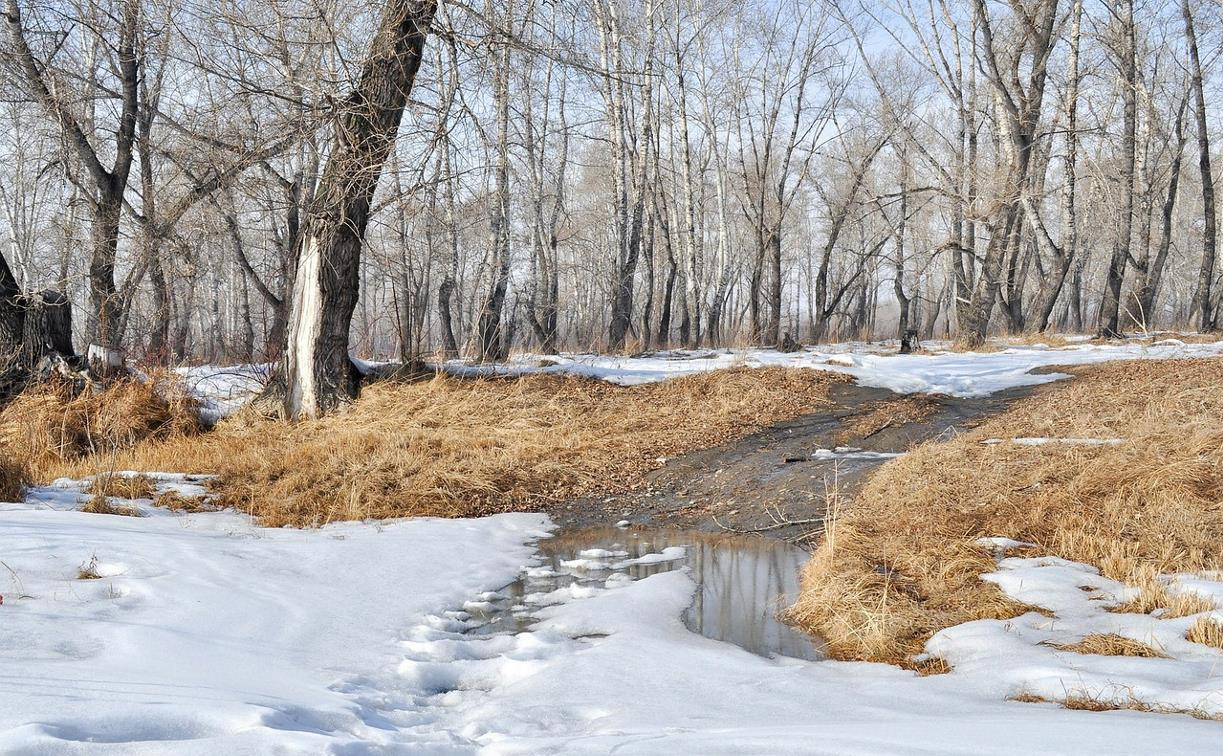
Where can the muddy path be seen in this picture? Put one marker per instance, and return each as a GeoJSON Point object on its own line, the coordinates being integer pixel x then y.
{"type": "Point", "coordinates": [777, 482]}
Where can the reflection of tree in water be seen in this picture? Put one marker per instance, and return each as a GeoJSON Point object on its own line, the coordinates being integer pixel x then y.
{"type": "Point", "coordinates": [741, 583]}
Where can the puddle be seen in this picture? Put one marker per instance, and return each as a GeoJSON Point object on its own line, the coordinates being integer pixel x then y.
{"type": "Point", "coordinates": [742, 582]}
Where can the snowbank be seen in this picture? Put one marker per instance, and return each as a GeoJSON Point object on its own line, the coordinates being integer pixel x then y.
{"type": "Point", "coordinates": [963, 374]}
{"type": "Point", "coordinates": [207, 634]}
{"type": "Point", "coordinates": [613, 670]}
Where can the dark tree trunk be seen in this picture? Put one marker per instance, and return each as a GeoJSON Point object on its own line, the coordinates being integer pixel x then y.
{"type": "Point", "coordinates": [12, 317]}
{"type": "Point", "coordinates": [1110, 305]}
{"type": "Point", "coordinates": [319, 374]}
{"type": "Point", "coordinates": [1201, 295]}
{"type": "Point", "coordinates": [1153, 270]}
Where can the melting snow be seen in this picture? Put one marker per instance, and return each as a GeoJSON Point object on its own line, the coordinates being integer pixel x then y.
{"type": "Point", "coordinates": [964, 374]}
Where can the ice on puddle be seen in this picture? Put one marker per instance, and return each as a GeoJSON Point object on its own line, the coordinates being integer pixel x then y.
{"type": "Point", "coordinates": [601, 554]}
{"type": "Point", "coordinates": [851, 453]}
{"type": "Point", "coordinates": [669, 554]}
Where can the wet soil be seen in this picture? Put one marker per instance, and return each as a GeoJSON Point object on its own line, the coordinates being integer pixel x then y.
{"type": "Point", "coordinates": [778, 482]}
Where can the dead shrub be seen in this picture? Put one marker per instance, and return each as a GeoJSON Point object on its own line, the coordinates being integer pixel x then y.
{"type": "Point", "coordinates": [1111, 644]}
{"type": "Point", "coordinates": [12, 477]}
{"type": "Point", "coordinates": [51, 423]}
{"type": "Point", "coordinates": [102, 504]}
{"type": "Point", "coordinates": [89, 570]}
{"type": "Point", "coordinates": [176, 502]}
{"type": "Point", "coordinates": [1147, 506]}
{"type": "Point", "coordinates": [123, 486]}
{"type": "Point", "coordinates": [1208, 631]}
{"type": "Point", "coordinates": [455, 447]}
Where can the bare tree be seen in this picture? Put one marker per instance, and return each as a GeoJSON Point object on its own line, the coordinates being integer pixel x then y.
{"type": "Point", "coordinates": [319, 373]}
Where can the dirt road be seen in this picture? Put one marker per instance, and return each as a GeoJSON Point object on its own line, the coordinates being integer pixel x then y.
{"type": "Point", "coordinates": [778, 482]}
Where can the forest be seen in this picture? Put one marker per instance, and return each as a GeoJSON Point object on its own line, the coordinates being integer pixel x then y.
{"type": "Point", "coordinates": [709, 377]}
{"type": "Point", "coordinates": [607, 174]}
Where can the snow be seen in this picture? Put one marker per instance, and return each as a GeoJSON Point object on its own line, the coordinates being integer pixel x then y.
{"type": "Point", "coordinates": [1018, 656]}
{"type": "Point", "coordinates": [852, 453]}
{"type": "Point", "coordinates": [614, 670]}
{"type": "Point", "coordinates": [962, 374]}
{"type": "Point", "coordinates": [207, 634]}
{"type": "Point", "coordinates": [221, 391]}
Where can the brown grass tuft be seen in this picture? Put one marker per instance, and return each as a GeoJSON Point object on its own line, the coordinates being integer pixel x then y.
{"type": "Point", "coordinates": [1078, 700]}
{"type": "Point", "coordinates": [1208, 631]}
{"type": "Point", "coordinates": [1111, 644]}
{"type": "Point", "coordinates": [1153, 596]}
{"type": "Point", "coordinates": [101, 504]}
{"type": "Point", "coordinates": [456, 447]}
{"type": "Point", "coordinates": [89, 570]}
{"type": "Point", "coordinates": [1026, 697]}
{"type": "Point", "coordinates": [122, 486]}
{"type": "Point", "coordinates": [879, 416]}
{"type": "Point", "coordinates": [12, 477]}
{"type": "Point", "coordinates": [49, 424]}
{"type": "Point", "coordinates": [935, 665]}
{"type": "Point", "coordinates": [902, 563]}
{"type": "Point", "coordinates": [176, 502]}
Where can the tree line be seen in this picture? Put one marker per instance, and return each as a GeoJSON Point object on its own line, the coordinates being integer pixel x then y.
{"type": "Point", "coordinates": [300, 179]}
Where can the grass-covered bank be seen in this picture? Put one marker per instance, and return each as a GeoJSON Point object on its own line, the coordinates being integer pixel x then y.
{"type": "Point", "coordinates": [1137, 491]}
{"type": "Point", "coordinates": [443, 447]}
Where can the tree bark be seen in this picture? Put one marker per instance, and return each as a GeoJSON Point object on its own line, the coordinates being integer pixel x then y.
{"type": "Point", "coordinates": [1110, 305]}
{"type": "Point", "coordinates": [1202, 295]}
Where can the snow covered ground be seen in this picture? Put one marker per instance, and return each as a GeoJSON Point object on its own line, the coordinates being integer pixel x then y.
{"type": "Point", "coordinates": [206, 634]}
{"type": "Point", "coordinates": [223, 390]}
{"type": "Point", "coordinates": [965, 374]}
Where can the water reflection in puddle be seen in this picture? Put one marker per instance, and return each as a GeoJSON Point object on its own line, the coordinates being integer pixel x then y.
{"type": "Point", "coordinates": [742, 582]}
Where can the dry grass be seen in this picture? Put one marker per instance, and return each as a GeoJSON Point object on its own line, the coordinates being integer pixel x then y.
{"type": "Point", "coordinates": [1000, 343]}
{"type": "Point", "coordinates": [901, 563]}
{"type": "Point", "coordinates": [89, 570]}
{"type": "Point", "coordinates": [455, 447]}
{"type": "Point", "coordinates": [1154, 595]}
{"type": "Point", "coordinates": [123, 486]}
{"type": "Point", "coordinates": [12, 477]}
{"type": "Point", "coordinates": [935, 665]}
{"type": "Point", "coordinates": [886, 414]}
{"type": "Point", "coordinates": [102, 504]}
{"type": "Point", "coordinates": [1111, 644]}
{"type": "Point", "coordinates": [1206, 630]}
{"type": "Point", "coordinates": [1078, 700]}
{"type": "Point", "coordinates": [176, 502]}
{"type": "Point", "coordinates": [50, 424]}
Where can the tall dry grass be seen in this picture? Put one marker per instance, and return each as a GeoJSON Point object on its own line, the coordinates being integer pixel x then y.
{"type": "Point", "coordinates": [50, 423]}
{"type": "Point", "coordinates": [901, 561]}
{"type": "Point", "coordinates": [459, 447]}
{"type": "Point", "coordinates": [12, 477]}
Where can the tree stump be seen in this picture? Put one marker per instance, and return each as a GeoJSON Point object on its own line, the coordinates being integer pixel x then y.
{"type": "Point", "coordinates": [788, 344]}
{"type": "Point", "coordinates": [47, 328]}
{"type": "Point", "coordinates": [909, 342]}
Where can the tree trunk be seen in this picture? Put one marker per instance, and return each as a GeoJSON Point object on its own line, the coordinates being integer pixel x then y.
{"type": "Point", "coordinates": [12, 317]}
{"type": "Point", "coordinates": [319, 374]}
{"type": "Point", "coordinates": [1201, 294]}
{"type": "Point", "coordinates": [1110, 305]}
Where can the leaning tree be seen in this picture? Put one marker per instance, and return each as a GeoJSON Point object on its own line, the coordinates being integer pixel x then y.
{"type": "Point", "coordinates": [319, 375]}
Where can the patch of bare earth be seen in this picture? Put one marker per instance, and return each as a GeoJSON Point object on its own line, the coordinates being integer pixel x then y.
{"type": "Point", "coordinates": [901, 562]}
